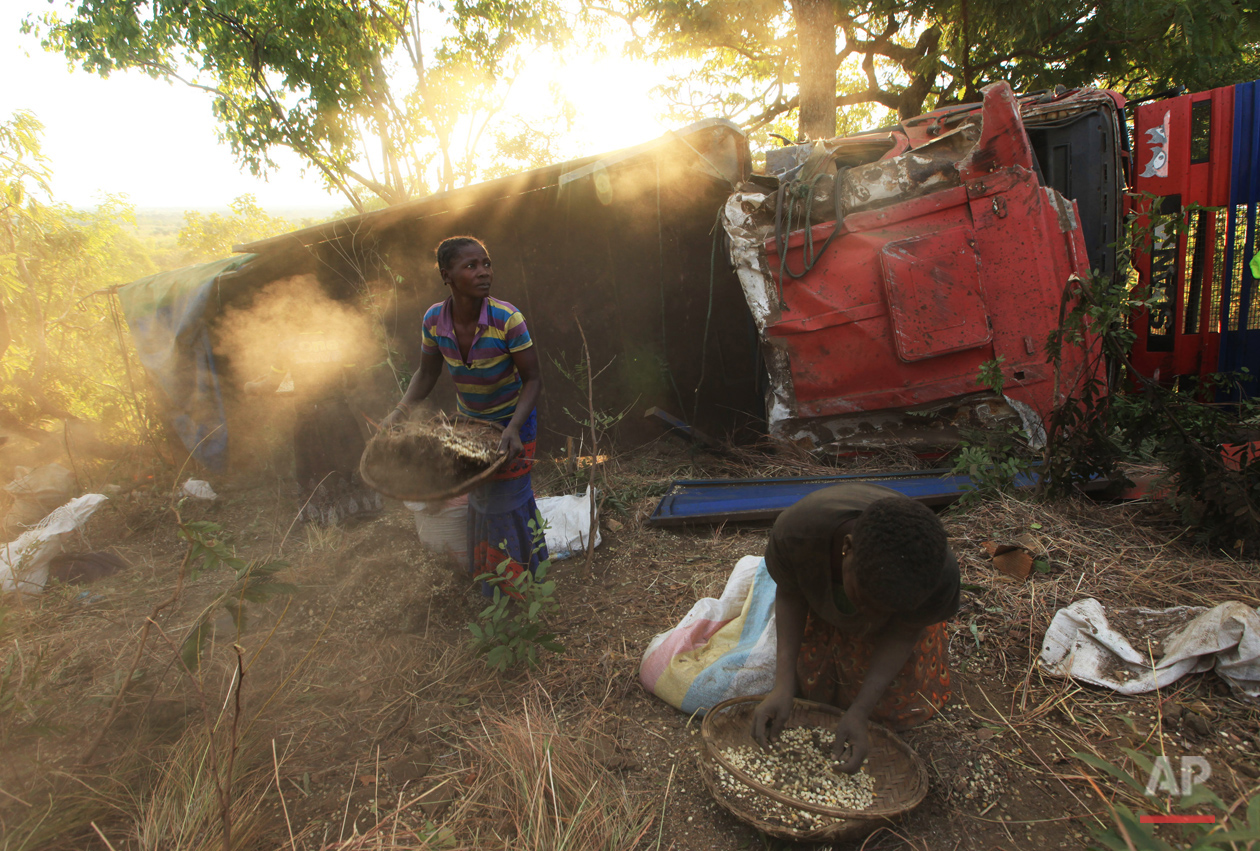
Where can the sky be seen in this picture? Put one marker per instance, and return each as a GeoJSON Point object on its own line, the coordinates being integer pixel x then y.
{"type": "Point", "coordinates": [157, 143]}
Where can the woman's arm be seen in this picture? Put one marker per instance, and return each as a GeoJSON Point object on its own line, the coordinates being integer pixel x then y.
{"type": "Point", "coordinates": [418, 389]}
{"type": "Point", "coordinates": [526, 362]}
{"type": "Point", "coordinates": [893, 646]}
{"type": "Point", "coordinates": [790, 609]}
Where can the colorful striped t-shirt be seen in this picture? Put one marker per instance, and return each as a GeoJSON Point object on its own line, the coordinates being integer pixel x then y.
{"type": "Point", "coordinates": [488, 385]}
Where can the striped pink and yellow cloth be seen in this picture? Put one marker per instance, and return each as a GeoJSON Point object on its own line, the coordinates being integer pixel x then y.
{"type": "Point", "coordinates": [723, 648]}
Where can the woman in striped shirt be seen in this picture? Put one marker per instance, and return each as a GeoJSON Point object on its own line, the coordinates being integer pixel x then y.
{"type": "Point", "coordinates": [487, 349]}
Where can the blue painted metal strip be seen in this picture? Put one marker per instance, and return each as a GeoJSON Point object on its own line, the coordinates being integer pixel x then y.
{"type": "Point", "coordinates": [717, 500]}
{"type": "Point", "coordinates": [1240, 346]}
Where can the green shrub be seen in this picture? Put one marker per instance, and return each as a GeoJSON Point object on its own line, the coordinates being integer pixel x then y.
{"type": "Point", "coordinates": [511, 629]}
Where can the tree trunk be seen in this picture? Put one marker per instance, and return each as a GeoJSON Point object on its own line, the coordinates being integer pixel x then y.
{"type": "Point", "coordinates": [816, 38]}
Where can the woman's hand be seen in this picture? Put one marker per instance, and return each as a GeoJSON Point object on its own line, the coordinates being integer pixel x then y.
{"type": "Point", "coordinates": [393, 417]}
{"type": "Point", "coordinates": [510, 442]}
{"type": "Point", "coordinates": [852, 736]}
{"type": "Point", "coordinates": [771, 714]}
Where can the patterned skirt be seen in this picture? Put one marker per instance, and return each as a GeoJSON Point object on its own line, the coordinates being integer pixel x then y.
{"type": "Point", "coordinates": [503, 519]}
{"type": "Point", "coordinates": [832, 665]}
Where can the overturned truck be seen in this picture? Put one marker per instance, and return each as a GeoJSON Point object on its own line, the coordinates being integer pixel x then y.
{"type": "Point", "coordinates": [883, 270]}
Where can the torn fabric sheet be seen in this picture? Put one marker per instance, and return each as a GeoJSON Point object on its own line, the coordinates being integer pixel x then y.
{"type": "Point", "coordinates": [1133, 651]}
{"type": "Point", "coordinates": [24, 561]}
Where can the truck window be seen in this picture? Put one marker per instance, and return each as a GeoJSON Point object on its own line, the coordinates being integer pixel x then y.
{"type": "Point", "coordinates": [1200, 131]}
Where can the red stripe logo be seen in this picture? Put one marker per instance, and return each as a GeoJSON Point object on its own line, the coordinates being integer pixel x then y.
{"type": "Point", "coordinates": [1149, 819]}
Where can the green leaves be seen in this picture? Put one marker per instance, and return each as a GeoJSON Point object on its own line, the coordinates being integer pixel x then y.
{"type": "Point", "coordinates": [990, 374]}
{"type": "Point", "coordinates": [927, 53]}
{"type": "Point", "coordinates": [52, 259]}
{"type": "Point", "coordinates": [209, 236]}
{"type": "Point", "coordinates": [509, 630]}
{"type": "Point", "coordinates": [194, 645]}
{"type": "Point", "coordinates": [993, 463]}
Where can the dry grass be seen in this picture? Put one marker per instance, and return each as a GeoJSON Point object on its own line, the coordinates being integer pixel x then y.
{"type": "Point", "coordinates": [178, 808]}
{"type": "Point", "coordinates": [1103, 551]}
{"type": "Point", "coordinates": [156, 797]}
{"type": "Point", "coordinates": [374, 666]}
{"type": "Point", "coordinates": [540, 787]}
{"type": "Point", "coordinates": [533, 782]}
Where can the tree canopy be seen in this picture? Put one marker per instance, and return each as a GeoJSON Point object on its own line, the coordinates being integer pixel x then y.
{"type": "Point", "coordinates": [209, 236]}
{"type": "Point", "coordinates": [772, 58]}
{"type": "Point", "coordinates": [370, 93]}
{"type": "Point", "coordinates": [59, 352]}
{"type": "Point", "coordinates": [63, 344]}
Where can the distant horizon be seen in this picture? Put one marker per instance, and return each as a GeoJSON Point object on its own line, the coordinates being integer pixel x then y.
{"type": "Point", "coordinates": [275, 211]}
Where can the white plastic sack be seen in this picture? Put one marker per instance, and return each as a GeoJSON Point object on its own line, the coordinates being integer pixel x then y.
{"type": "Point", "coordinates": [1081, 643]}
{"type": "Point", "coordinates": [24, 562]}
{"type": "Point", "coordinates": [200, 489]}
{"type": "Point", "coordinates": [568, 524]}
{"type": "Point", "coordinates": [443, 528]}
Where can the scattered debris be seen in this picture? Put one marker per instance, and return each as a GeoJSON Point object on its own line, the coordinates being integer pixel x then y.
{"type": "Point", "coordinates": [200, 489]}
{"type": "Point", "coordinates": [568, 519]}
{"type": "Point", "coordinates": [1138, 650]}
{"type": "Point", "coordinates": [1011, 559]}
{"type": "Point", "coordinates": [24, 562]}
{"type": "Point", "coordinates": [36, 492]}
{"type": "Point", "coordinates": [692, 433]}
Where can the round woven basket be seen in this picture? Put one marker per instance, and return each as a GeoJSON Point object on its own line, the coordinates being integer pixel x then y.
{"type": "Point", "coordinates": [901, 780]}
{"type": "Point", "coordinates": [413, 460]}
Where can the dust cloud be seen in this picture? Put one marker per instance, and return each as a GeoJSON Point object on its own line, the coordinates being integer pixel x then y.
{"type": "Point", "coordinates": [289, 352]}
{"type": "Point", "coordinates": [294, 330]}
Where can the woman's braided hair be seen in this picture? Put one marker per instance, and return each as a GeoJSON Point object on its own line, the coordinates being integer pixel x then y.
{"type": "Point", "coordinates": [899, 548]}
{"type": "Point", "coordinates": [450, 246]}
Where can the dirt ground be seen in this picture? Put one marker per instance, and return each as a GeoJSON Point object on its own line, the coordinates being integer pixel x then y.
{"type": "Point", "coordinates": [363, 714]}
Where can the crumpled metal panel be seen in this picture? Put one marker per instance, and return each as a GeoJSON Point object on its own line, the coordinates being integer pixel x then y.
{"type": "Point", "coordinates": [862, 334]}
{"type": "Point", "coordinates": [933, 288]}
{"type": "Point", "coordinates": [909, 174]}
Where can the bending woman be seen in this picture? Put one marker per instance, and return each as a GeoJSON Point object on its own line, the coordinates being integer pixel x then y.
{"type": "Point", "coordinates": [490, 356]}
{"type": "Point", "coordinates": [864, 581]}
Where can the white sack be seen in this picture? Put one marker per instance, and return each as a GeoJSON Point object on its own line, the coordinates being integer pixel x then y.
{"type": "Point", "coordinates": [200, 489]}
{"type": "Point", "coordinates": [24, 562]}
{"type": "Point", "coordinates": [443, 527]}
{"type": "Point", "coordinates": [1082, 644]}
{"type": "Point", "coordinates": [568, 524]}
